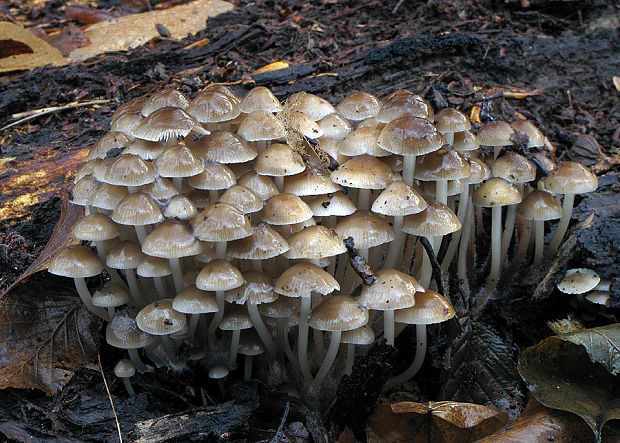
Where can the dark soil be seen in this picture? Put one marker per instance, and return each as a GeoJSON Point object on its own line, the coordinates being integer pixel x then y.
{"type": "Point", "coordinates": [455, 53]}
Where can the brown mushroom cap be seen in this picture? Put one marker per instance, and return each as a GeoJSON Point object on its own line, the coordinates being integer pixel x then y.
{"type": "Point", "coordinates": [161, 189]}
{"type": "Point", "coordinates": [242, 198]}
{"type": "Point", "coordinates": [443, 164]}
{"type": "Point", "coordinates": [260, 185]}
{"type": "Point", "coordinates": [363, 335]}
{"type": "Point", "coordinates": [180, 207]}
{"type": "Point", "coordinates": [303, 278]}
{"type": "Point", "coordinates": [260, 99]}
{"type": "Point", "coordinates": [514, 167]}
{"type": "Point", "coordinates": [162, 99]}
{"type": "Point", "coordinates": [336, 204]}
{"type": "Point", "coordinates": [129, 170]}
{"type": "Point", "coordinates": [436, 219]}
{"type": "Point", "coordinates": [430, 307]}
{"type": "Point", "coordinates": [363, 141]}
{"type": "Point", "coordinates": [235, 317]}
{"type": "Point", "coordinates": [410, 136]}
{"type": "Point", "coordinates": [160, 318]}
{"type": "Point", "coordinates": [256, 289]}
{"type": "Point", "coordinates": [167, 123]}
{"type": "Point", "coordinates": [310, 182]}
{"type": "Point", "coordinates": [110, 296]}
{"type": "Point", "coordinates": [314, 242]}
{"type": "Point", "coordinates": [364, 172]}
{"type": "Point", "coordinates": [465, 141]}
{"type": "Point", "coordinates": [123, 332]}
{"type": "Point", "coordinates": [338, 313]}
{"type": "Point", "coordinates": [283, 307]}
{"type": "Point", "coordinates": [137, 209]}
{"type": "Point", "coordinates": [285, 209]}
{"type": "Point", "coordinates": [534, 136]}
{"type": "Point", "coordinates": [178, 161]}
{"type": "Point", "coordinates": [219, 275]}
{"type": "Point", "coordinates": [359, 105]}
{"type": "Point", "coordinates": [405, 103]}
{"type": "Point", "coordinates": [111, 142]}
{"type": "Point", "coordinates": [214, 177]}
{"type": "Point", "coordinates": [496, 192]}
{"type": "Point", "coordinates": [261, 125]}
{"type": "Point", "coordinates": [213, 106]}
{"type": "Point", "coordinates": [221, 222]}
{"type": "Point", "coordinates": [497, 133]}
{"type": "Point", "coordinates": [125, 256]}
{"type": "Point", "coordinates": [539, 205]}
{"type": "Point", "coordinates": [450, 120]}
{"type": "Point", "coordinates": [366, 228]}
{"type": "Point", "coordinates": [192, 300]}
{"type": "Point", "coordinates": [392, 290]}
{"type": "Point", "coordinates": [75, 261]}
{"type": "Point", "coordinates": [171, 239]}
{"type": "Point", "coordinates": [95, 227]}
{"type": "Point", "coordinates": [570, 178]}
{"type": "Point", "coordinates": [264, 243]}
{"type": "Point", "coordinates": [224, 147]}
{"type": "Point", "coordinates": [398, 198]}
{"type": "Point", "coordinates": [279, 160]}
{"type": "Point", "coordinates": [311, 105]}
{"type": "Point", "coordinates": [335, 126]}
{"type": "Point", "coordinates": [153, 267]}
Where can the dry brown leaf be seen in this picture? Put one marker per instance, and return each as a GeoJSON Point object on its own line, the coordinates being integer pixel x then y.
{"type": "Point", "coordinates": [46, 333]}
{"type": "Point", "coordinates": [21, 50]}
{"type": "Point", "coordinates": [134, 30]}
{"type": "Point", "coordinates": [444, 421]}
{"type": "Point", "coordinates": [538, 423]}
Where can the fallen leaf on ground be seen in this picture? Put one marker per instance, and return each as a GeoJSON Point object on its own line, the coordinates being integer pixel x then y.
{"type": "Point", "coordinates": [21, 50]}
{"type": "Point", "coordinates": [444, 421]}
{"type": "Point", "coordinates": [571, 372]}
{"type": "Point", "coordinates": [130, 31]}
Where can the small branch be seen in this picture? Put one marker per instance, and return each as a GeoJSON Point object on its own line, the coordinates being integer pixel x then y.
{"type": "Point", "coordinates": [118, 425]}
{"type": "Point", "coordinates": [30, 115]}
{"type": "Point", "coordinates": [434, 263]}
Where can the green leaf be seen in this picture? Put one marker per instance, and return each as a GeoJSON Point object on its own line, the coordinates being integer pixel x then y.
{"type": "Point", "coordinates": [575, 372]}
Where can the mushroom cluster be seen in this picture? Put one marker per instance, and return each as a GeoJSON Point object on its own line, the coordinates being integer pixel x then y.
{"type": "Point", "coordinates": [220, 223]}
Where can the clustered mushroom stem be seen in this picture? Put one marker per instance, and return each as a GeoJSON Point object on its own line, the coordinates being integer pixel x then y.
{"type": "Point", "coordinates": [509, 226]}
{"type": "Point", "coordinates": [234, 346]}
{"type": "Point", "coordinates": [496, 241]}
{"type": "Point", "coordinates": [328, 361]}
{"type": "Point", "coordinates": [348, 365]}
{"type": "Point", "coordinates": [137, 361]}
{"type": "Point", "coordinates": [522, 247]}
{"type": "Point", "coordinates": [247, 369]}
{"type": "Point", "coordinates": [363, 199]}
{"type": "Point", "coordinates": [456, 236]}
{"type": "Point", "coordinates": [319, 345]}
{"type": "Point", "coordinates": [426, 272]}
{"type": "Point", "coordinates": [302, 350]}
{"type": "Point", "coordinates": [128, 386]}
{"type": "Point", "coordinates": [193, 322]}
{"type": "Point", "coordinates": [462, 258]}
{"type": "Point", "coordinates": [132, 281]}
{"type": "Point", "coordinates": [160, 287]}
{"type": "Point", "coordinates": [168, 346]}
{"type": "Point", "coordinates": [408, 169]}
{"type": "Point", "coordinates": [141, 233]}
{"type": "Point", "coordinates": [261, 329]}
{"type": "Point", "coordinates": [177, 274]}
{"type": "Point", "coordinates": [441, 191]}
{"type": "Point", "coordinates": [539, 232]}
{"type": "Point", "coordinates": [217, 318]}
{"type": "Point", "coordinates": [214, 196]}
{"type": "Point", "coordinates": [418, 360]}
{"type": "Point", "coordinates": [280, 182]}
{"type": "Point", "coordinates": [396, 247]}
{"type": "Point", "coordinates": [567, 209]}
{"type": "Point", "coordinates": [448, 137]}
{"type": "Point", "coordinates": [220, 250]}
{"type": "Point", "coordinates": [87, 299]}
{"type": "Point", "coordinates": [178, 184]}
{"type": "Point", "coordinates": [133, 189]}
{"type": "Point", "coordinates": [388, 326]}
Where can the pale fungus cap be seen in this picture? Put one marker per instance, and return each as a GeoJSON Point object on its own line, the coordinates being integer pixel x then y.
{"type": "Point", "coordinates": [224, 147]}
{"type": "Point", "coordinates": [443, 164]}
{"type": "Point", "coordinates": [110, 296]}
{"type": "Point", "coordinates": [535, 137]}
{"type": "Point", "coordinates": [539, 205]}
{"type": "Point", "coordinates": [398, 199]}
{"type": "Point", "coordinates": [171, 239]}
{"type": "Point", "coordinates": [219, 275]}
{"type": "Point", "coordinates": [256, 289]}
{"type": "Point", "coordinates": [95, 227]}
{"type": "Point", "coordinates": [285, 209]}
{"type": "Point", "coordinates": [214, 177]}
{"type": "Point", "coordinates": [84, 190]}
{"type": "Point", "coordinates": [218, 372]}
{"type": "Point", "coordinates": [264, 243]}
{"type": "Point", "coordinates": [283, 307]}
{"type": "Point", "coordinates": [479, 172]}
{"type": "Point", "coordinates": [514, 167]}
{"type": "Point", "coordinates": [410, 136]}
{"type": "Point", "coordinates": [314, 242]}
{"type": "Point", "coordinates": [235, 318]}
{"type": "Point", "coordinates": [465, 141]}
{"type": "Point", "coordinates": [126, 123]}
{"type": "Point", "coordinates": [137, 209]}
{"type": "Point", "coordinates": [124, 368]}
{"type": "Point", "coordinates": [301, 124]}
{"type": "Point", "coordinates": [497, 133]}
{"type": "Point", "coordinates": [260, 99]}
{"type": "Point", "coordinates": [129, 170]}
{"type": "Point", "coordinates": [250, 343]}
{"type": "Point", "coordinates": [303, 278]}
{"type": "Point", "coordinates": [366, 228]}
{"type": "Point", "coordinates": [363, 141]}
{"type": "Point", "coordinates": [161, 189]}
{"type": "Point", "coordinates": [261, 125]}
{"type": "Point", "coordinates": [570, 178]}
{"type": "Point", "coordinates": [242, 198]}
{"type": "Point", "coordinates": [153, 267]}
{"type": "Point", "coordinates": [192, 300]}
{"type": "Point", "coordinates": [364, 172]}
{"type": "Point", "coordinates": [436, 219]}
{"type": "Point", "coordinates": [358, 106]}
{"type": "Point", "coordinates": [310, 182]}
{"type": "Point", "coordinates": [180, 207]}
{"type": "Point", "coordinates": [260, 185]}
{"type": "Point", "coordinates": [167, 123]}
{"type": "Point", "coordinates": [311, 105]}
{"type": "Point", "coordinates": [338, 313]}
{"type": "Point", "coordinates": [160, 318]}
{"type": "Point", "coordinates": [579, 281]}
{"type": "Point", "coordinates": [123, 332]}
{"type": "Point", "coordinates": [178, 161]}
{"type": "Point", "coordinates": [336, 204]}
{"type": "Point", "coordinates": [392, 290]}
{"type": "Point", "coordinates": [279, 160]}
{"type": "Point", "coordinates": [363, 335]}
{"type": "Point", "coordinates": [212, 106]}
{"type": "Point", "coordinates": [162, 99]}
{"type": "Point", "coordinates": [496, 192]}
{"type": "Point", "coordinates": [146, 150]}
{"type": "Point", "coordinates": [75, 262]}
{"type": "Point", "coordinates": [335, 126]}
{"type": "Point", "coordinates": [430, 307]}
{"type": "Point", "coordinates": [404, 103]}
{"type": "Point", "coordinates": [125, 256]}
{"type": "Point", "coordinates": [450, 120]}
{"type": "Point", "coordinates": [221, 222]}
{"type": "Point", "coordinates": [113, 141]}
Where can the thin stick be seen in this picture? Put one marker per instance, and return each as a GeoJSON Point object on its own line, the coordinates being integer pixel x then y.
{"type": "Point", "coordinates": [118, 425]}
{"type": "Point", "coordinates": [31, 115]}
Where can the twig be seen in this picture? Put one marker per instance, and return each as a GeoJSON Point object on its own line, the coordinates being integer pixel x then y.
{"type": "Point", "coordinates": [276, 438]}
{"type": "Point", "coordinates": [434, 263]}
{"type": "Point", "coordinates": [400, 2]}
{"type": "Point", "coordinates": [118, 425]}
{"type": "Point", "coordinates": [30, 115]}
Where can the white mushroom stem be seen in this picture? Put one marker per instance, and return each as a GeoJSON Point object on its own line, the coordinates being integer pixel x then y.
{"type": "Point", "coordinates": [441, 191]}
{"type": "Point", "coordinates": [280, 182]}
{"type": "Point", "coordinates": [168, 346]}
{"type": "Point", "coordinates": [363, 199]}
{"type": "Point", "coordinates": [217, 318]}
{"type": "Point", "coordinates": [247, 369]}
{"type": "Point", "coordinates": [462, 258]}
{"type": "Point", "coordinates": [348, 364]}
{"type": "Point", "coordinates": [302, 349]}
{"type": "Point", "coordinates": [456, 236]}
{"type": "Point", "coordinates": [509, 226]}
{"type": "Point", "coordinates": [558, 236]}
{"type": "Point", "coordinates": [388, 326]}
{"type": "Point", "coordinates": [408, 169]}
{"type": "Point", "coordinates": [214, 195]}
{"type": "Point", "coordinates": [177, 274]}
{"type": "Point", "coordinates": [178, 183]}
{"type": "Point", "coordinates": [448, 137]}
{"type": "Point", "coordinates": [539, 233]}
{"type": "Point", "coordinates": [137, 361]}
{"type": "Point", "coordinates": [128, 386]}
{"type": "Point", "coordinates": [261, 329]}
{"type": "Point", "coordinates": [132, 281]}
{"type": "Point", "coordinates": [397, 245]}
{"type": "Point", "coordinates": [220, 250]}
{"type": "Point", "coordinates": [87, 299]}
{"type": "Point", "coordinates": [283, 341]}
{"type": "Point", "coordinates": [141, 233]}
{"type": "Point", "coordinates": [328, 361]}
{"type": "Point", "coordinates": [101, 253]}
{"type": "Point", "coordinates": [496, 242]}
{"type": "Point", "coordinates": [191, 328]}
{"type": "Point", "coordinates": [160, 287]}
{"type": "Point", "coordinates": [234, 346]}
{"type": "Point", "coordinates": [418, 360]}
{"type": "Point", "coordinates": [523, 244]}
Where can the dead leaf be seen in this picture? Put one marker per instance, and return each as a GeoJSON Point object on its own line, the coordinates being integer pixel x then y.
{"type": "Point", "coordinates": [21, 50]}
{"type": "Point", "coordinates": [482, 370]}
{"type": "Point", "coordinates": [275, 66]}
{"type": "Point", "coordinates": [540, 424]}
{"type": "Point", "coordinates": [444, 421]}
{"type": "Point", "coordinates": [561, 373]}
{"type": "Point", "coordinates": [130, 31]}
